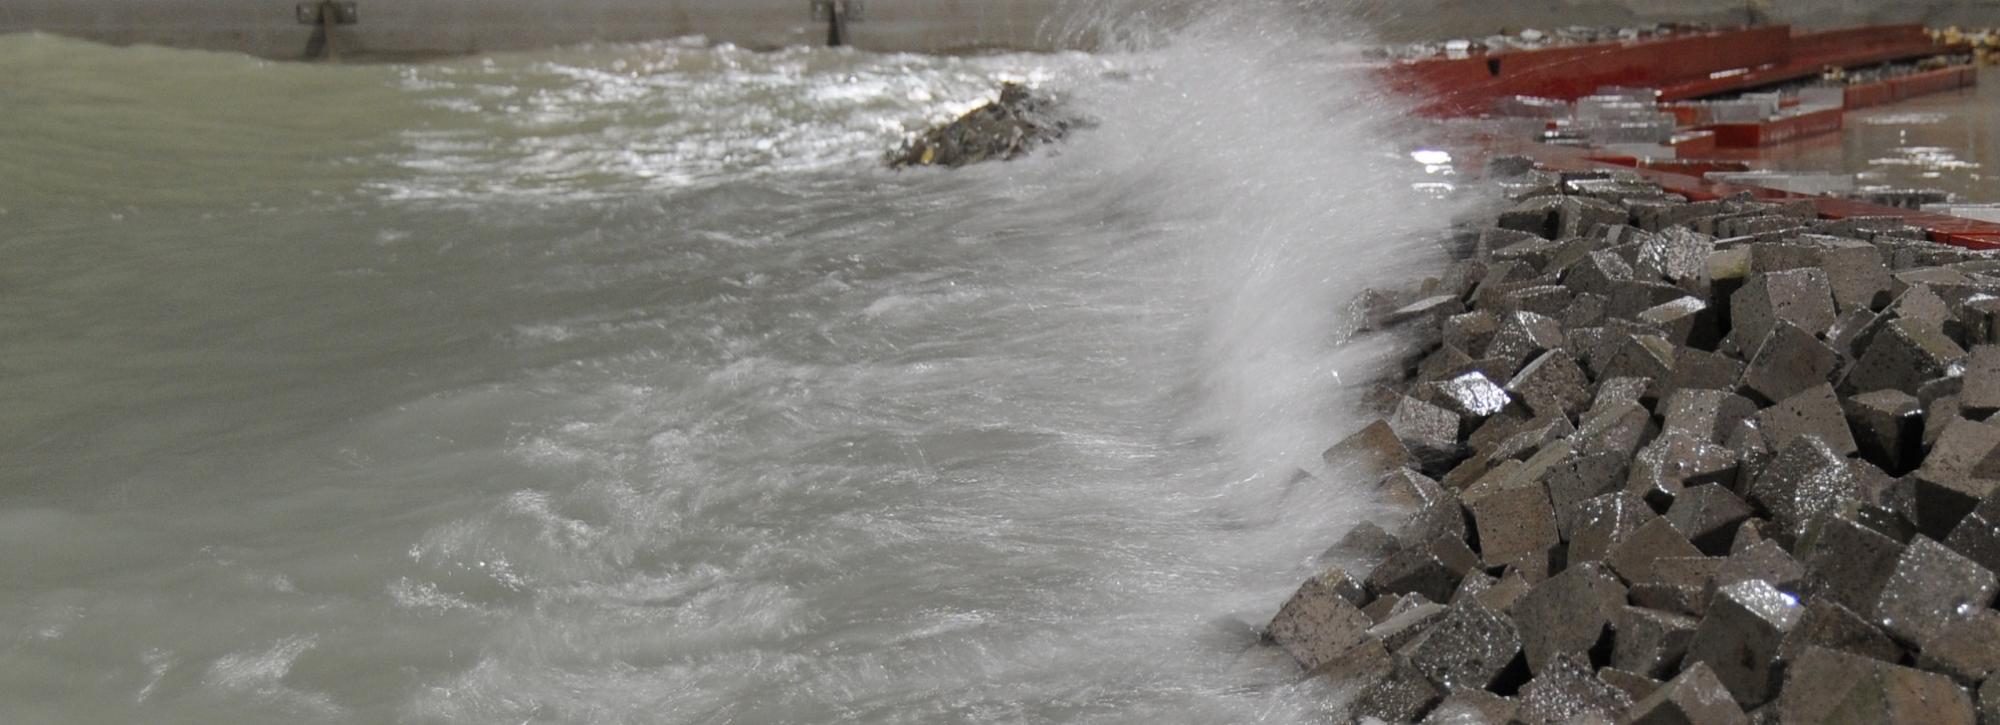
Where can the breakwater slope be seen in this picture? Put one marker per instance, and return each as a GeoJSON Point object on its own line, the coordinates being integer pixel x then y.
{"type": "Point", "coordinates": [621, 384]}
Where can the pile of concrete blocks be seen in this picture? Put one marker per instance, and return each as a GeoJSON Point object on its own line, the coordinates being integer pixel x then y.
{"type": "Point", "coordinates": [1670, 461]}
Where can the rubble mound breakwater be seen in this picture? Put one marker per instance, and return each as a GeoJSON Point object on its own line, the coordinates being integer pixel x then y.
{"type": "Point", "coordinates": [1673, 462]}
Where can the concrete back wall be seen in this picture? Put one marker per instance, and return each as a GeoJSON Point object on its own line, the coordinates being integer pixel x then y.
{"type": "Point", "coordinates": [393, 28]}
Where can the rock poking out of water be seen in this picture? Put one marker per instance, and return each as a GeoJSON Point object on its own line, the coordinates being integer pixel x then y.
{"type": "Point", "coordinates": [1006, 129]}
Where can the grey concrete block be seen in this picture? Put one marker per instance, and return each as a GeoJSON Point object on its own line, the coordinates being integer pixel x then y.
{"type": "Point", "coordinates": [1789, 360]}
{"type": "Point", "coordinates": [1405, 622]}
{"type": "Point", "coordinates": [1814, 411]}
{"type": "Point", "coordinates": [1585, 476]}
{"type": "Point", "coordinates": [1401, 695]}
{"type": "Point", "coordinates": [1847, 563]}
{"type": "Point", "coordinates": [1471, 396]}
{"type": "Point", "coordinates": [1966, 647]}
{"type": "Point", "coordinates": [1381, 608]}
{"type": "Point", "coordinates": [1406, 488]}
{"type": "Point", "coordinates": [1552, 300]}
{"type": "Point", "coordinates": [1827, 624]}
{"type": "Point", "coordinates": [1681, 599]}
{"type": "Point", "coordinates": [1523, 335]}
{"type": "Point", "coordinates": [1977, 536]}
{"type": "Point", "coordinates": [1429, 432]}
{"type": "Point", "coordinates": [1428, 312]}
{"type": "Point", "coordinates": [1552, 384]}
{"type": "Point", "coordinates": [1637, 356]}
{"type": "Point", "coordinates": [1466, 649]}
{"type": "Point", "coordinates": [1684, 321]}
{"type": "Point", "coordinates": [1366, 542]}
{"type": "Point", "coordinates": [1704, 414]}
{"type": "Point", "coordinates": [1615, 428]}
{"type": "Point", "coordinates": [1432, 568]}
{"type": "Point", "coordinates": [1598, 274]}
{"type": "Point", "coordinates": [1650, 642]}
{"type": "Point", "coordinates": [1533, 252]}
{"type": "Point", "coordinates": [1585, 310]}
{"type": "Point", "coordinates": [1980, 319]}
{"type": "Point", "coordinates": [1739, 638]}
{"type": "Point", "coordinates": [1703, 369]}
{"type": "Point", "coordinates": [1671, 463]}
{"type": "Point", "coordinates": [1443, 518]}
{"type": "Point", "coordinates": [1567, 613]}
{"type": "Point", "coordinates": [1617, 391]}
{"type": "Point", "coordinates": [1980, 396]}
{"type": "Point", "coordinates": [1532, 439]}
{"type": "Point", "coordinates": [1472, 707]}
{"type": "Point", "coordinates": [1598, 524]}
{"type": "Point", "coordinates": [1511, 586]}
{"type": "Point", "coordinates": [1676, 255]}
{"type": "Point", "coordinates": [1751, 533]}
{"type": "Point", "coordinates": [1805, 480]}
{"type": "Point", "coordinates": [1799, 296]}
{"type": "Point", "coordinates": [1888, 428]}
{"type": "Point", "coordinates": [1709, 515]}
{"type": "Point", "coordinates": [1829, 686]}
{"type": "Point", "coordinates": [1931, 586]}
{"type": "Point", "coordinates": [1470, 332]}
{"type": "Point", "coordinates": [1700, 572]}
{"type": "Point", "coordinates": [1942, 499]}
{"type": "Point", "coordinates": [1513, 522]}
{"type": "Point", "coordinates": [1634, 557]}
{"type": "Point", "coordinates": [1373, 450]}
{"type": "Point", "coordinates": [1695, 697]}
{"type": "Point", "coordinates": [1768, 562]}
{"type": "Point", "coordinates": [1319, 623]}
{"type": "Point", "coordinates": [1536, 215]}
{"type": "Point", "coordinates": [1902, 356]}
{"type": "Point", "coordinates": [1445, 362]}
{"type": "Point", "coordinates": [1633, 684]}
{"type": "Point", "coordinates": [1568, 690]}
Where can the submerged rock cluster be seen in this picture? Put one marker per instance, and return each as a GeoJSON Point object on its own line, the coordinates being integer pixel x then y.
{"type": "Point", "coordinates": [1022, 119]}
{"type": "Point", "coordinates": [1674, 462]}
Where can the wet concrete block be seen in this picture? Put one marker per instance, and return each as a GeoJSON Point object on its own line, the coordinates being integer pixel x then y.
{"type": "Point", "coordinates": [1513, 522]}
{"type": "Point", "coordinates": [1704, 370]}
{"type": "Point", "coordinates": [1827, 624]}
{"type": "Point", "coordinates": [1847, 563]}
{"type": "Point", "coordinates": [1406, 488]}
{"type": "Point", "coordinates": [1585, 476]}
{"type": "Point", "coordinates": [1967, 647]}
{"type": "Point", "coordinates": [1977, 536]}
{"type": "Point", "coordinates": [1536, 215]}
{"type": "Point", "coordinates": [1944, 499]}
{"type": "Point", "coordinates": [1532, 440]}
{"type": "Point", "coordinates": [1633, 684]}
{"type": "Point", "coordinates": [1442, 518]}
{"type": "Point", "coordinates": [1533, 252]}
{"type": "Point", "coordinates": [1617, 391]}
{"type": "Point", "coordinates": [1767, 562]}
{"type": "Point", "coordinates": [1980, 319]}
{"type": "Point", "coordinates": [1567, 613]}
{"type": "Point", "coordinates": [1685, 321]}
{"type": "Point", "coordinates": [1814, 411]}
{"type": "Point", "coordinates": [1472, 707]}
{"type": "Point", "coordinates": [1552, 384]}
{"type": "Point", "coordinates": [1789, 360]}
{"type": "Point", "coordinates": [1677, 255]}
{"type": "Point", "coordinates": [1739, 638]}
{"type": "Point", "coordinates": [1677, 598]}
{"type": "Point", "coordinates": [1499, 427]}
{"type": "Point", "coordinates": [1546, 299]}
{"type": "Point", "coordinates": [1366, 542]}
{"type": "Point", "coordinates": [1470, 332]}
{"type": "Point", "coordinates": [1472, 397]}
{"type": "Point", "coordinates": [1401, 695]}
{"type": "Point", "coordinates": [1989, 702]}
{"type": "Point", "coordinates": [1708, 515]}
{"type": "Point", "coordinates": [1598, 524]}
{"type": "Point", "coordinates": [1616, 428]}
{"type": "Point", "coordinates": [1829, 686]}
{"type": "Point", "coordinates": [1695, 697]}
{"type": "Point", "coordinates": [1799, 296]}
{"type": "Point", "coordinates": [1585, 310]}
{"type": "Point", "coordinates": [1637, 356]}
{"type": "Point", "coordinates": [1432, 568]}
{"type": "Point", "coordinates": [1888, 428]}
{"type": "Point", "coordinates": [1429, 432]}
{"type": "Point", "coordinates": [1671, 463]}
{"type": "Point", "coordinates": [1902, 356]}
{"type": "Point", "coordinates": [1428, 312]}
{"type": "Point", "coordinates": [1320, 623]}
{"type": "Point", "coordinates": [1600, 273]}
{"type": "Point", "coordinates": [1465, 649]}
{"type": "Point", "coordinates": [1704, 414]}
{"type": "Point", "coordinates": [1405, 622]}
{"type": "Point", "coordinates": [1650, 642]}
{"type": "Point", "coordinates": [1381, 608]}
{"type": "Point", "coordinates": [1979, 397]}
{"type": "Point", "coordinates": [1805, 480]}
{"type": "Point", "coordinates": [1931, 585]}
{"type": "Point", "coordinates": [1567, 690]}
{"type": "Point", "coordinates": [1699, 572]}
{"type": "Point", "coordinates": [1523, 335]}
{"type": "Point", "coordinates": [1373, 450]}
{"type": "Point", "coordinates": [1634, 557]}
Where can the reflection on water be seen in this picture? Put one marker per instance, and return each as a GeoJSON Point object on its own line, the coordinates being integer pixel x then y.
{"type": "Point", "coordinates": [1948, 141]}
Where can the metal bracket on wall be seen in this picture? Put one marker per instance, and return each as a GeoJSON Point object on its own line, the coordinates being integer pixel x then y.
{"type": "Point", "coordinates": [329, 11]}
{"type": "Point", "coordinates": [837, 14]}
